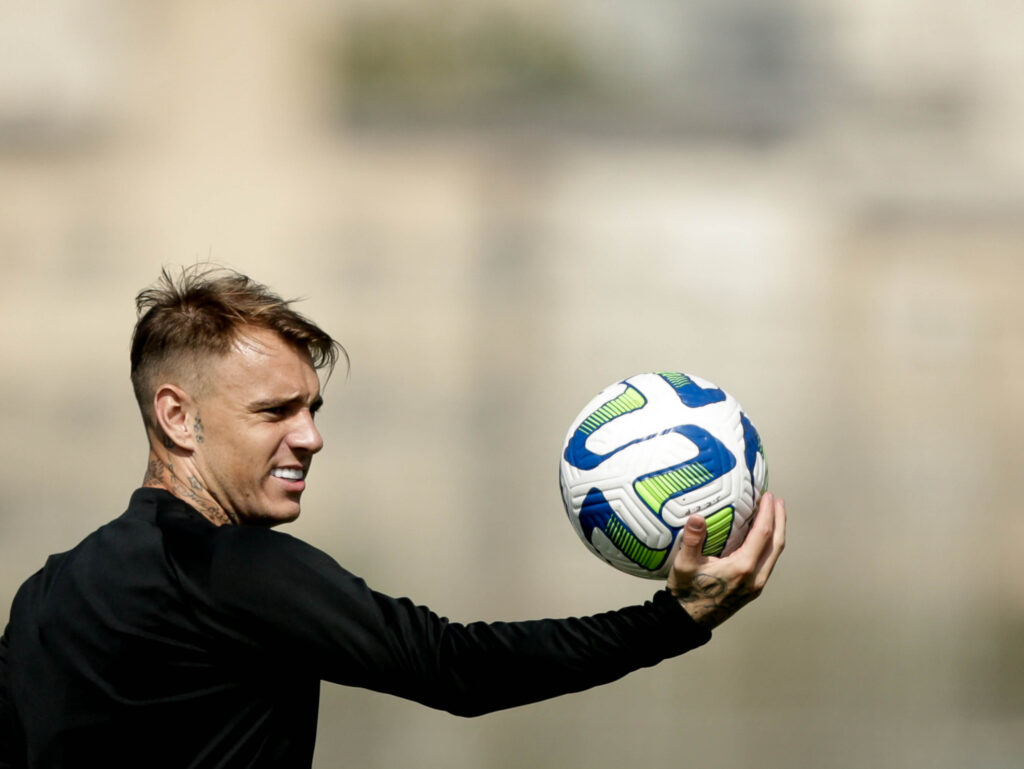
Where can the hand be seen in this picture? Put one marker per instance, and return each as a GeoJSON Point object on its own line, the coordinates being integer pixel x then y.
{"type": "Point", "coordinates": [713, 589]}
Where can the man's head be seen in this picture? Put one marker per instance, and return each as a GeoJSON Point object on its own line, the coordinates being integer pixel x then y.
{"type": "Point", "coordinates": [224, 372]}
{"type": "Point", "coordinates": [184, 323]}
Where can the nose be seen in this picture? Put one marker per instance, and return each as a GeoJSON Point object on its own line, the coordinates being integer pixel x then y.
{"type": "Point", "coordinates": [304, 435]}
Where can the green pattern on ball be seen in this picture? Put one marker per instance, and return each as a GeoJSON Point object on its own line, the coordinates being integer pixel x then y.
{"type": "Point", "coordinates": [655, 490]}
{"type": "Point", "coordinates": [629, 400]}
{"type": "Point", "coordinates": [675, 379]}
{"type": "Point", "coordinates": [719, 527]}
{"type": "Point", "coordinates": [631, 547]}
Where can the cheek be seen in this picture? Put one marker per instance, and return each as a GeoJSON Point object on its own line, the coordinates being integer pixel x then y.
{"type": "Point", "coordinates": [238, 462]}
{"type": "Point", "coordinates": [242, 455]}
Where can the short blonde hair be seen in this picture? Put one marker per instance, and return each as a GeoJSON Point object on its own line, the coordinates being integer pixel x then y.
{"type": "Point", "coordinates": [200, 314]}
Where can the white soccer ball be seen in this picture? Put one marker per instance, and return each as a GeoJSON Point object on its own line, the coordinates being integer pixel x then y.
{"type": "Point", "coordinates": [647, 453]}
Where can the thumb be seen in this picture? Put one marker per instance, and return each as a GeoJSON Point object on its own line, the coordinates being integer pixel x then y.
{"type": "Point", "coordinates": [693, 541]}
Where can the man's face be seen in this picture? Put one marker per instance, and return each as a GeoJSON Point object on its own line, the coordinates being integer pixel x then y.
{"type": "Point", "coordinates": [255, 436]}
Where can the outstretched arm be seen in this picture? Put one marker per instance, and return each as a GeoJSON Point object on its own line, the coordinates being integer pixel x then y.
{"type": "Point", "coordinates": [713, 589]}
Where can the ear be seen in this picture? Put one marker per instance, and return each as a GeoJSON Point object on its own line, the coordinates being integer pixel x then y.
{"type": "Point", "coordinates": [171, 407]}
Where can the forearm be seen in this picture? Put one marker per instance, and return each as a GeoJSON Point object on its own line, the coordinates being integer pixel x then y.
{"type": "Point", "coordinates": [482, 667]}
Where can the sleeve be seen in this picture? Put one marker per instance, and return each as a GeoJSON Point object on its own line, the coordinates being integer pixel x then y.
{"type": "Point", "coordinates": [285, 598]}
{"type": "Point", "coordinates": [11, 753]}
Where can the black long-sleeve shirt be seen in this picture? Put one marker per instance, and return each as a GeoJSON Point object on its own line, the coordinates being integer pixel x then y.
{"type": "Point", "coordinates": [162, 640]}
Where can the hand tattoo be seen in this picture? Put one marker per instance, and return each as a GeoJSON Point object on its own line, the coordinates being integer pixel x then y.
{"type": "Point", "coordinates": [709, 600]}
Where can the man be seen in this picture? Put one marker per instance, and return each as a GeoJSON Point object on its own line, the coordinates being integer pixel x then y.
{"type": "Point", "coordinates": [189, 633]}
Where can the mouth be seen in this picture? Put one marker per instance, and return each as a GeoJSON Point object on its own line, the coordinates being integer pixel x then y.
{"type": "Point", "coordinates": [293, 479]}
{"type": "Point", "coordinates": [289, 473]}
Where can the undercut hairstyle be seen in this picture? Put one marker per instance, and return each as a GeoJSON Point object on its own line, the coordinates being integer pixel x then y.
{"type": "Point", "coordinates": [185, 321]}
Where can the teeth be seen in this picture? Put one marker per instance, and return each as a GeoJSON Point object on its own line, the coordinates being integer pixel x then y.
{"type": "Point", "coordinates": [290, 473]}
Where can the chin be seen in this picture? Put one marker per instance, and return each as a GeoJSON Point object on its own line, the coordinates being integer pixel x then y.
{"type": "Point", "coordinates": [271, 518]}
{"type": "Point", "coordinates": [277, 520]}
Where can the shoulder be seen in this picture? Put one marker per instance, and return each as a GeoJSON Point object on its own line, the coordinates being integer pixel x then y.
{"type": "Point", "coordinates": [243, 563]}
{"type": "Point", "coordinates": [190, 538]}
{"type": "Point", "coordinates": [249, 548]}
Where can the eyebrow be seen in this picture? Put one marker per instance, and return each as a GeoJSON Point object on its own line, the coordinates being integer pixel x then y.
{"type": "Point", "coordinates": [269, 403]}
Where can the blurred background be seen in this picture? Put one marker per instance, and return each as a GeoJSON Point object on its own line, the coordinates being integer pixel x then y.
{"type": "Point", "coordinates": [501, 207]}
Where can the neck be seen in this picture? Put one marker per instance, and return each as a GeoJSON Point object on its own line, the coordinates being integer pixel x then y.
{"type": "Point", "coordinates": [175, 474]}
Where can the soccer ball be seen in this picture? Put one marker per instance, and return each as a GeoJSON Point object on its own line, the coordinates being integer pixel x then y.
{"type": "Point", "coordinates": [650, 451]}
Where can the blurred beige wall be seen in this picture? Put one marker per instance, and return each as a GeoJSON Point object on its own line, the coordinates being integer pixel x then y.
{"type": "Point", "coordinates": [500, 209]}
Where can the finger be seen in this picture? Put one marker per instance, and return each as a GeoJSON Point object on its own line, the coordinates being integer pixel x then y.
{"type": "Point", "coordinates": [761, 530]}
{"type": "Point", "coordinates": [689, 555]}
{"type": "Point", "coordinates": [780, 523]}
{"type": "Point", "coordinates": [766, 511]}
{"type": "Point", "coordinates": [778, 543]}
